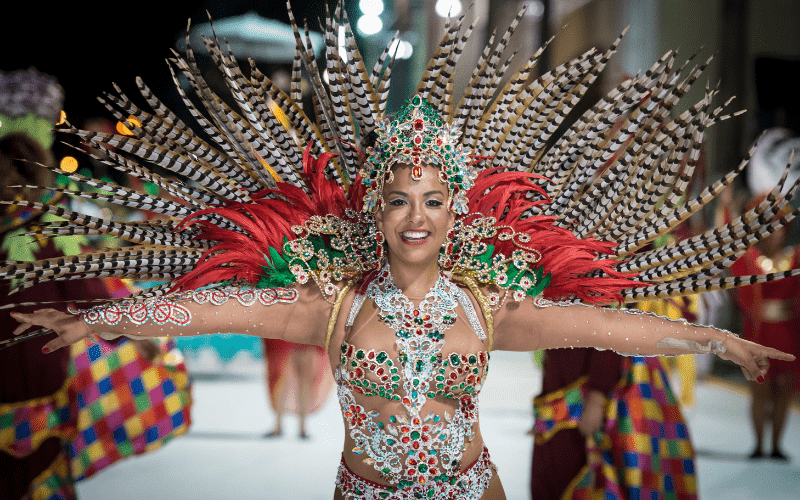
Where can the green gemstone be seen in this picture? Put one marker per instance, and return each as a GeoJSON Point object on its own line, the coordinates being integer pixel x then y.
{"type": "Point", "coordinates": [381, 357]}
{"type": "Point", "coordinates": [415, 435]}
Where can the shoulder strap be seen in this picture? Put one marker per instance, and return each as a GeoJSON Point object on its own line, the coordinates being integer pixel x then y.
{"type": "Point", "coordinates": [354, 309]}
{"type": "Point", "coordinates": [335, 313]}
{"type": "Point", "coordinates": [483, 302]}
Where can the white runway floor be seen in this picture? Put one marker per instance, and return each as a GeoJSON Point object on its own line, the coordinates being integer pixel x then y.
{"type": "Point", "coordinates": [224, 456]}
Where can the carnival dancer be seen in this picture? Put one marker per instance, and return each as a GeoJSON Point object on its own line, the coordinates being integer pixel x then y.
{"type": "Point", "coordinates": [461, 231]}
{"type": "Point", "coordinates": [770, 315]}
{"type": "Point", "coordinates": [60, 415]}
{"type": "Point", "coordinates": [571, 409]}
{"type": "Point", "coordinates": [298, 381]}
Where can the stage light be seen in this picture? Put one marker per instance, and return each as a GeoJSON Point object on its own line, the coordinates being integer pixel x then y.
{"type": "Point", "coordinates": [448, 8]}
{"type": "Point", "coordinates": [369, 25]}
{"type": "Point", "coordinates": [371, 7]}
{"type": "Point", "coordinates": [68, 164]}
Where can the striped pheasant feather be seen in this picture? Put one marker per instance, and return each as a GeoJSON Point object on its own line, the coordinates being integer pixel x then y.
{"type": "Point", "coordinates": [618, 176]}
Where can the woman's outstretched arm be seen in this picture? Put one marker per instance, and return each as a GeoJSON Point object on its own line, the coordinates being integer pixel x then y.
{"type": "Point", "coordinates": [298, 314]}
{"type": "Point", "coordinates": [540, 324]}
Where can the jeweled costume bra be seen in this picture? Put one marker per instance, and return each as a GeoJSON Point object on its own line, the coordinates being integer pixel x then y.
{"type": "Point", "coordinates": [418, 452]}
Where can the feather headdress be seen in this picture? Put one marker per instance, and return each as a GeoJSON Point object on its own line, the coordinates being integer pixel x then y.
{"type": "Point", "coordinates": [275, 194]}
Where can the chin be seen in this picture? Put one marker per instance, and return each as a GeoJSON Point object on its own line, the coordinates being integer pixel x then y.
{"type": "Point", "coordinates": [417, 254]}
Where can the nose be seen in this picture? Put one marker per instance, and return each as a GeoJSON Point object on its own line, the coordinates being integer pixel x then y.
{"type": "Point", "coordinates": [416, 213]}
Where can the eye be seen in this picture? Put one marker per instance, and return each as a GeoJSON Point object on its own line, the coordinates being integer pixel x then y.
{"type": "Point", "coordinates": [433, 202]}
{"type": "Point", "coordinates": [397, 202]}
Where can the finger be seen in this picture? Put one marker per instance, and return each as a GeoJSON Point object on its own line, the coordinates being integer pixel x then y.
{"type": "Point", "coordinates": [64, 340]}
{"type": "Point", "coordinates": [66, 336]}
{"type": "Point", "coordinates": [43, 317]}
{"type": "Point", "coordinates": [21, 328]}
{"type": "Point", "coordinates": [25, 319]}
{"type": "Point", "coordinates": [753, 369]}
{"type": "Point", "coordinates": [776, 354]}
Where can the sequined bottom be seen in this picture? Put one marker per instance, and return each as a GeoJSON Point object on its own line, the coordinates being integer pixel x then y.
{"type": "Point", "coordinates": [469, 485]}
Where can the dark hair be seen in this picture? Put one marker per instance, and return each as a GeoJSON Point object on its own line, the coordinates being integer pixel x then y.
{"type": "Point", "coordinates": [16, 150]}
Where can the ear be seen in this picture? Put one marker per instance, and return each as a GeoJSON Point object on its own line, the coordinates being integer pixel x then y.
{"type": "Point", "coordinates": [451, 222]}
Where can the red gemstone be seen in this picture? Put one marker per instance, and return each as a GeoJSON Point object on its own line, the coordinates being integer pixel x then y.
{"type": "Point", "coordinates": [417, 139]}
{"type": "Point", "coordinates": [418, 124]}
{"type": "Point", "coordinates": [416, 174]}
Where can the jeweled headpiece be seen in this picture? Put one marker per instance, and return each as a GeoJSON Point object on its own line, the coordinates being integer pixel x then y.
{"type": "Point", "coordinates": [418, 136]}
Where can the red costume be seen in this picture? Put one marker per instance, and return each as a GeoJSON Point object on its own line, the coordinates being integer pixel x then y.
{"type": "Point", "coordinates": [282, 382]}
{"type": "Point", "coordinates": [558, 460]}
{"type": "Point", "coordinates": [770, 312]}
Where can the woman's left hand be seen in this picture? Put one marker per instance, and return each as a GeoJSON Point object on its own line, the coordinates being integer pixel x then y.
{"type": "Point", "coordinates": [753, 358]}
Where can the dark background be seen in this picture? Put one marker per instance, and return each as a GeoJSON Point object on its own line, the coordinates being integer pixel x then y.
{"type": "Point", "coordinates": [87, 45]}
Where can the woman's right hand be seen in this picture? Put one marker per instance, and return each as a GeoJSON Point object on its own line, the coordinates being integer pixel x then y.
{"type": "Point", "coordinates": [69, 327]}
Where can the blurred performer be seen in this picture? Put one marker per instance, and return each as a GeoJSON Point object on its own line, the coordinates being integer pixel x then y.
{"type": "Point", "coordinates": [575, 388]}
{"type": "Point", "coordinates": [609, 427]}
{"type": "Point", "coordinates": [298, 381]}
{"type": "Point", "coordinates": [770, 315]}
{"type": "Point", "coordinates": [68, 415]}
{"type": "Point", "coordinates": [25, 373]}
{"type": "Point", "coordinates": [687, 308]}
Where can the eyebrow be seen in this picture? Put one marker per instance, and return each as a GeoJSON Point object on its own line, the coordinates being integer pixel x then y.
{"type": "Point", "coordinates": [403, 193]}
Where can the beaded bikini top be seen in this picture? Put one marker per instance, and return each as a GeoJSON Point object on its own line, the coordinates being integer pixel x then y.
{"type": "Point", "coordinates": [413, 449]}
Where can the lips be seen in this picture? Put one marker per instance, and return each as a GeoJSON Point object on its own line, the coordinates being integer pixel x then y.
{"type": "Point", "coordinates": [415, 237]}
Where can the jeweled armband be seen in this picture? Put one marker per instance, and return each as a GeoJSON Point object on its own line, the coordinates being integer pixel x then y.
{"type": "Point", "coordinates": [165, 310]}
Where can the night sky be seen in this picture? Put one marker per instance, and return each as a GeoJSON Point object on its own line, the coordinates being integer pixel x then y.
{"type": "Point", "coordinates": [88, 45]}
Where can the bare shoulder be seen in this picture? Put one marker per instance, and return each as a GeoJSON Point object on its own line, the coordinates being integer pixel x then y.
{"type": "Point", "coordinates": [307, 322]}
{"type": "Point", "coordinates": [514, 321]}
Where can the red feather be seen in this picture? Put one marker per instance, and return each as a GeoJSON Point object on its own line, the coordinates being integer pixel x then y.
{"type": "Point", "coordinates": [572, 262]}
{"type": "Point", "coordinates": [234, 256]}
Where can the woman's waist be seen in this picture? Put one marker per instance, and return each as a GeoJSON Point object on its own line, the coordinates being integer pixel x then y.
{"type": "Point", "coordinates": [393, 467]}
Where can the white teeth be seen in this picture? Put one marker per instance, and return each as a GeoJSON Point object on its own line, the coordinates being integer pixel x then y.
{"type": "Point", "coordinates": [415, 235]}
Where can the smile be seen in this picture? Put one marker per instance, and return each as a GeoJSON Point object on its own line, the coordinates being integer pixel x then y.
{"type": "Point", "coordinates": [414, 237]}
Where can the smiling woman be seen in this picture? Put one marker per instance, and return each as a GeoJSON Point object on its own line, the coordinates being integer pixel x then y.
{"type": "Point", "coordinates": [415, 221]}
{"type": "Point", "coordinates": [464, 229]}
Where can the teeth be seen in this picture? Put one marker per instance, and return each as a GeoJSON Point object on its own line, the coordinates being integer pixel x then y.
{"type": "Point", "coordinates": [415, 235]}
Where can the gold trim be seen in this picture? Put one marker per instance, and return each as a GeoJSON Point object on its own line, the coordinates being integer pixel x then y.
{"type": "Point", "coordinates": [483, 302]}
{"type": "Point", "coordinates": [57, 399]}
{"type": "Point", "coordinates": [40, 490]}
{"type": "Point", "coordinates": [567, 495]}
{"type": "Point", "coordinates": [335, 313]}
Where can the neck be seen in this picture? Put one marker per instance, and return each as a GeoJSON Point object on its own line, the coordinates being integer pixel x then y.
{"type": "Point", "coordinates": [414, 280]}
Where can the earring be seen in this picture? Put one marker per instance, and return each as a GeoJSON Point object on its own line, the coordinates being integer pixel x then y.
{"type": "Point", "coordinates": [380, 248]}
{"type": "Point", "coordinates": [446, 253]}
